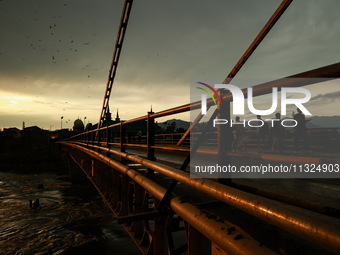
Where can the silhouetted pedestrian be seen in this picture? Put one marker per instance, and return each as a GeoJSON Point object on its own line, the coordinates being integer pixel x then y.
{"type": "Point", "coordinates": [139, 136]}
{"type": "Point", "coordinates": [300, 130]}
{"type": "Point", "coordinates": [238, 135]}
{"type": "Point", "coordinates": [238, 128]}
{"type": "Point", "coordinates": [277, 133]}
{"type": "Point", "coordinates": [262, 133]}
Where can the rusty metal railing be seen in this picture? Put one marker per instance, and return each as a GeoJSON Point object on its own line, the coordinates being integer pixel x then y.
{"type": "Point", "coordinates": [314, 227]}
{"type": "Point", "coordinates": [128, 192]}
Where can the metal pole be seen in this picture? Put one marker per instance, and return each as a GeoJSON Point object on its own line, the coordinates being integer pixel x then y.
{"type": "Point", "coordinates": [122, 139]}
{"type": "Point", "coordinates": [265, 30]}
{"type": "Point", "coordinates": [150, 137]}
{"type": "Point", "coordinates": [115, 59]}
{"type": "Point", "coordinates": [198, 118]}
{"type": "Point", "coordinates": [224, 139]}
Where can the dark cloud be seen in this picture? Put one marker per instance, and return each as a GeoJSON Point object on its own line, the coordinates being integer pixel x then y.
{"type": "Point", "coordinates": [63, 49]}
{"type": "Point", "coordinates": [165, 40]}
{"type": "Point", "coordinates": [326, 98]}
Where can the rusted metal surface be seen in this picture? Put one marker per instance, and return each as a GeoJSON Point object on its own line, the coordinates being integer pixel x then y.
{"type": "Point", "coordinates": [311, 226]}
{"type": "Point", "coordinates": [216, 231]}
{"type": "Point", "coordinates": [231, 242]}
{"type": "Point", "coordinates": [302, 203]}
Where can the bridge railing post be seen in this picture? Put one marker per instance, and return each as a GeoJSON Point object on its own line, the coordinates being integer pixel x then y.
{"type": "Point", "coordinates": [92, 137]}
{"type": "Point", "coordinates": [150, 138]}
{"type": "Point", "coordinates": [99, 137]}
{"type": "Point", "coordinates": [122, 139]}
{"type": "Point", "coordinates": [114, 189]}
{"type": "Point", "coordinates": [138, 226]}
{"type": "Point", "coordinates": [108, 137]}
{"type": "Point", "coordinates": [197, 242]}
{"type": "Point", "coordinates": [160, 241]}
{"type": "Point", "coordinates": [124, 200]}
{"type": "Point", "coordinates": [89, 137]}
{"type": "Point", "coordinates": [224, 137]}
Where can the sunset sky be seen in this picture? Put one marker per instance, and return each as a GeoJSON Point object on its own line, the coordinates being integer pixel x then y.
{"type": "Point", "coordinates": [55, 55]}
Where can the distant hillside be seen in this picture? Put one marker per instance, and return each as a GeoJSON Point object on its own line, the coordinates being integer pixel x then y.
{"type": "Point", "coordinates": [323, 122]}
{"type": "Point", "coordinates": [315, 122]}
{"type": "Point", "coordinates": [179, 124]}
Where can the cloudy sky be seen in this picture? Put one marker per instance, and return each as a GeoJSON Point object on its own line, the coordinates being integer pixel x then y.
{"type": "Point", "coordinates": [55, 55]}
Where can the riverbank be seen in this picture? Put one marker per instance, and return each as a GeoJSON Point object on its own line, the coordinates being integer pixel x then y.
{"type": "Point", "coordinates": [32, 159]}
{"type": "Point", "coordinates": [71, 218]}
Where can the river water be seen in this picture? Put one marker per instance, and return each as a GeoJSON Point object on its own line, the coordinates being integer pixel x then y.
{"type": "Point", "coordinates": [71, 218]}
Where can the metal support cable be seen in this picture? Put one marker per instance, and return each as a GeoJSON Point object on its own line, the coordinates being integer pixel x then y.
{"type": "Point", "coordinates": [265, 30]}
{"type": "Point", "coordinates": [113, 69]}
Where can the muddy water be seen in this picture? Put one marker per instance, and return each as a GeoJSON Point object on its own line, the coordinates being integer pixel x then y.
{"type": "Point", "coordinates": [71, 219]}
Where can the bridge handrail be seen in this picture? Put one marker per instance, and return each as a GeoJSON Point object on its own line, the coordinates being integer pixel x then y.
{"type": "Point", "coordinates": [212, 229]}
{"type": "Point", "coordinates": [311, 226]}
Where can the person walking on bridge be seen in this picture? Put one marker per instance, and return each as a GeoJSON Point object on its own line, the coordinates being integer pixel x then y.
{"type": "Point", "coordinates": [300, 130]}
{"type": "Point", "coordinates": [262, 134]}
{"type": "Point", "coordinates": [277, 134]}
